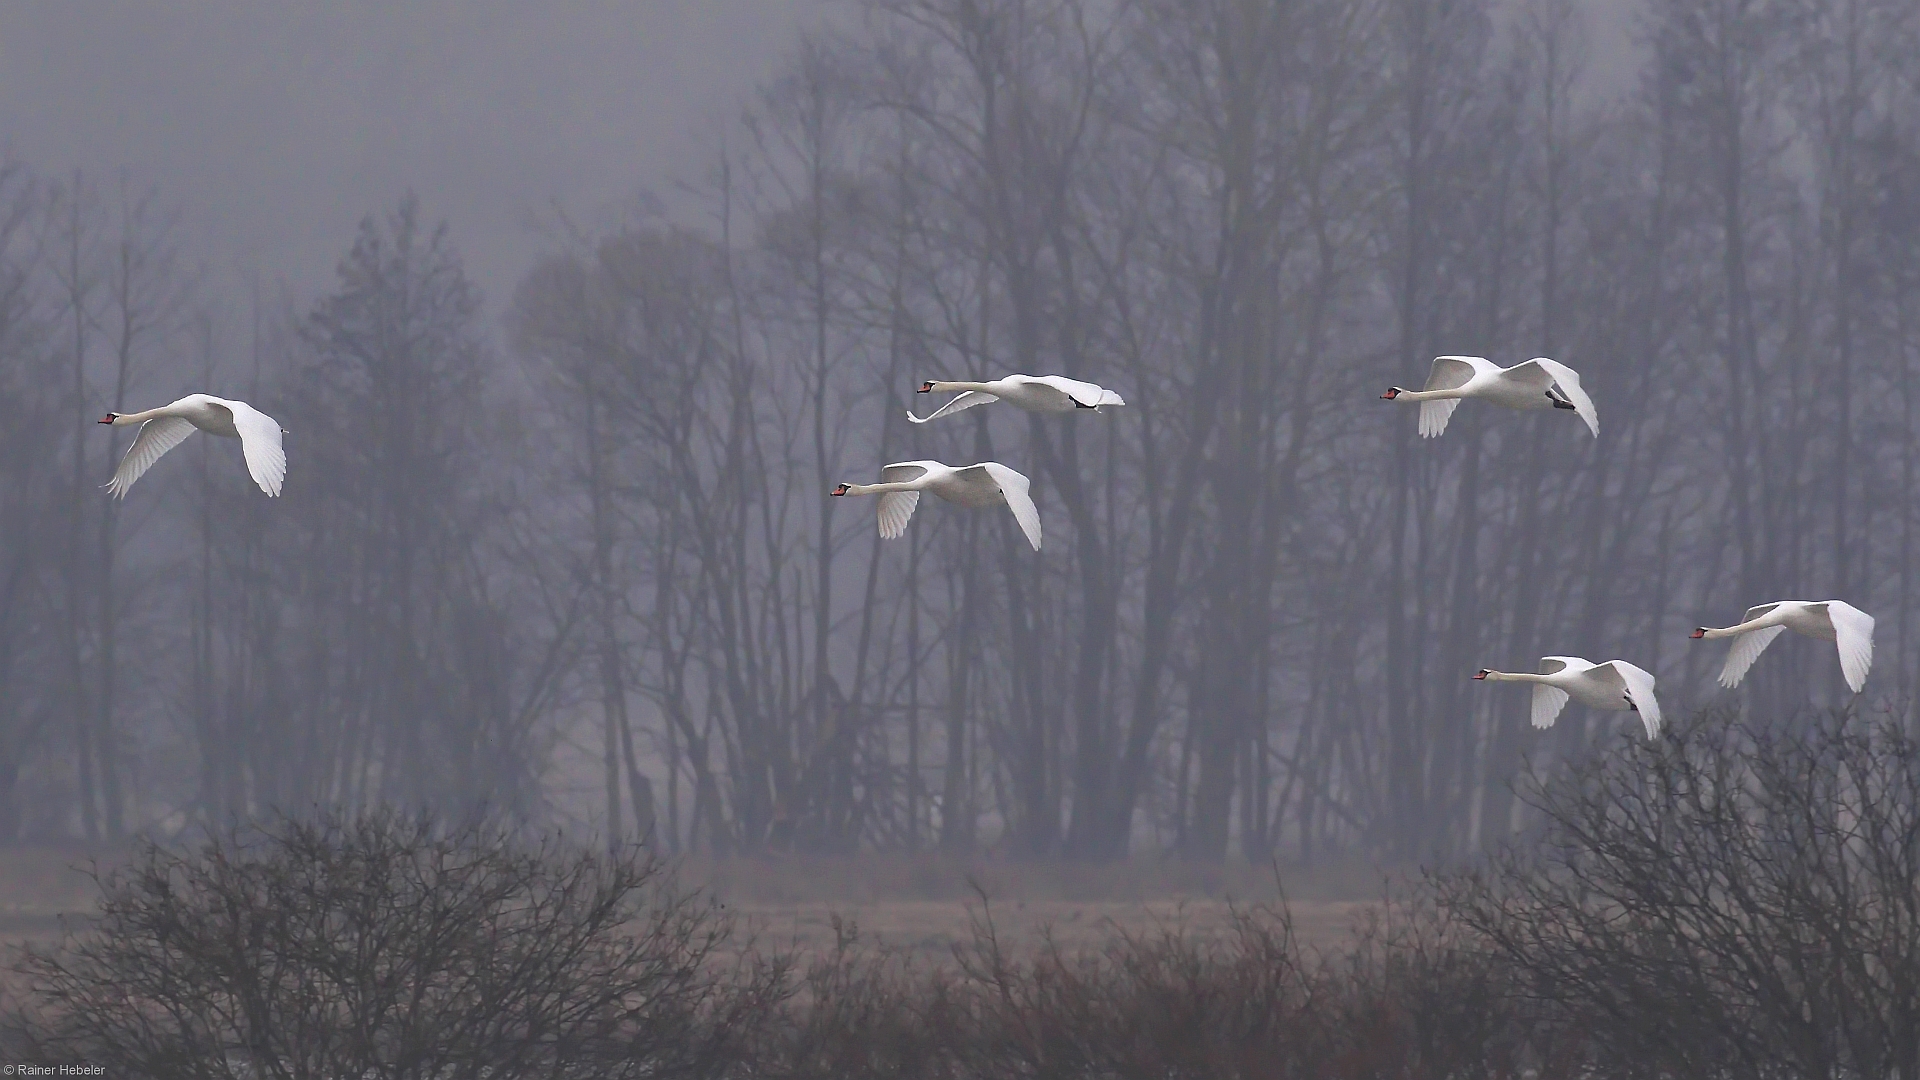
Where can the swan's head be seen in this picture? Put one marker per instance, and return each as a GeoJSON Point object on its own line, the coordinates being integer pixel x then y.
{"type": "Point", "coordinates": [925, 387]}
{"type": "Point", "coordinates": [839, 490]}
{"type": "Point", "coordinates": [1698, 632]}
{"type": "Point", "coordinates": [1393, 392]}
{"type": "Point", "coordinates": [109, 418]}
{"type": "Point", "coordinates": [1482, 673]}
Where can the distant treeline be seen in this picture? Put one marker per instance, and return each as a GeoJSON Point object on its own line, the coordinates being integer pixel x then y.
{"type": "Point", "coordinates": [1261, 595]}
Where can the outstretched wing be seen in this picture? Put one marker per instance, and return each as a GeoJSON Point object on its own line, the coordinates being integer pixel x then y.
{"type": "Point", "coordinates": [1853, 633]}
{"type": "Point", "coordinates": [1569, 383]}
{"type": "Point", "coordinates": [1553, 665]}
{"type": "Point", "coordinates": [966, 400]}
{"type": "Point", "coordinates": [1454, 372]}
{"type": "Point", "coordinates": [157, 436]}
{"type": "Point", "coordinates": [1638, 686]}
{"type": "Point", "coordinates": [895, 510]}
{"type": "Point", "coordinates": [1014, 486]}
{"type": "Point", "coordinates": [1092, 395]}
{"type": "Point", "coordinates": [1758, 610]}
{"type": "Point", "coordinates": [1746, 649]}
{"type": "Point", "coordinates": [1547, 703]}
{"type": "Point", "coordinates": [260, 442]}
{"type": "Point", "coordinates": [1448, 373]}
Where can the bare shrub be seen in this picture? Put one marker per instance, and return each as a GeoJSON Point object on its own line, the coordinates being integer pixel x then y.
{"type": "Point", "coordinates": [385, 946]}
{"type": "Point", "coordinates": [1732, 900]}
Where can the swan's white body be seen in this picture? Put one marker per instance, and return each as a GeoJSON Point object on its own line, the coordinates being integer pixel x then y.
{"type": "Point", "coordinates": [1837, 621]}
{"type": "Point", "coordinates": [973, 485]}
{"type": "Point", "coordinates": [1043, 393]}
{"type": "Point", "coordinates": [1615, 686]}
{"type": "Point", "coordinates": [1531, 385]}
{"type": "Point", "coordinates": [163, 428]}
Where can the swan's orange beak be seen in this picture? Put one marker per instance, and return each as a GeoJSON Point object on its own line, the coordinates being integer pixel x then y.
{"type": "Point", "coordinates": [925, 387]}
{"type": "Point", "coordinates": [1481, 674]}
{"type": "Point", "coordinates": [841, 490]}
{"type": "Point", "coordinates": [1698, 632]}
{"type": "Point", "coordinates": [1392, 392]}
{"type": "Point", "coordinates": [108, 419]}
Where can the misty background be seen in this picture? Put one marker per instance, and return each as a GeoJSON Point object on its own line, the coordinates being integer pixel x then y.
{"type": "Point", "coordinates": [576, 315]}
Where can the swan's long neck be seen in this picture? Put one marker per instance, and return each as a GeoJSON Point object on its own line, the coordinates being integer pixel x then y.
{"type": "Point", "coordinates": [1734, 631]}
{"type": "Point", "coordinates": [961, 387]}
{"type": "Point", "coordinates": [1512, 676]}
{"type": "Point", "coordinates": [128, 419]}
{"type": "Point", "coordinates": [881, 489]}
{"type": "Point", "coordinates": [1427, 395]}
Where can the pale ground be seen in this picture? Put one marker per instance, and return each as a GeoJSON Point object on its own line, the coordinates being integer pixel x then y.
{"type": "Point", "coordinates": [923, 904]}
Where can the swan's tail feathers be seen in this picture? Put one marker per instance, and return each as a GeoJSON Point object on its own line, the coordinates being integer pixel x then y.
{"type": "Point", "coordinates": [1746, 649]}
{"type": "Point", "coordinates": [1547, 703]}
{"type": "Point", "coordinates": [1434, 416]}
{"type": "Point", "coordinates": [1853, 634]}
{"type": "Point", "coordinates": [1108, 399]}
{"type": "Point", "coordinates": [895, 510]}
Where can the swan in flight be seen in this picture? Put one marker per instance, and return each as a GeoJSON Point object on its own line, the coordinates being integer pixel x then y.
{"type": "Point", "coordinates": [974, 485]}
{"type": "Point", "coordinates": [1615, 685]}
{"type": "Point", "coordinates": [1045, 393]}
{"type": "Point", "coordinates": [1829, 620]}
{"type": "Point", "coordinates": [163, 428]}
{"type": "Point", "coordinates": [1537, 384]}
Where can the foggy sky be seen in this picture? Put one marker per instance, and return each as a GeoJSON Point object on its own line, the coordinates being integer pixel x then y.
{"type": "Point", "coordinates": [276, 127]}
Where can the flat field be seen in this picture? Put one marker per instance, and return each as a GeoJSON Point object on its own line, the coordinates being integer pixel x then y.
{"type": "Point", "coordinates": [923, 904]}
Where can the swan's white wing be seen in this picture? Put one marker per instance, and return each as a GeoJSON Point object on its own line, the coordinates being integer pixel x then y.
{"type": "Point", "coordinates": [260, 441]}
{"type": "Point", "coordinates": [895, 510]}
{"type": "Point", "coordinates": [1853, 633]}
{"type": "Point", "coordinates": [157, 436]}
{"type": "Point", "coordinates": [966, 400]}
{"type": "Point", "coordinates": [1569, 381]}
{"type": "Point", "coordinates": [902, 471]}
{"type": "Point", "coordinates": [1448, 373]}
{"type": "Point", "coordinates": [1434, 416]}
{"type": "Point", "coordinates": [1089, 394]}
{"type": "Point", "coordinates": [1547, 703]}
{"type": "Point", "coordinates": [1638, 684]}
{"type": "Point", "coordinates": [1014, 487]}
{"type": "Point", "coordinates": [1746, 649]}
{"type": "Point", "coordinates": [1759, 610]}
{"type": "Point", "coordinates": [1553, 665]}
{"type": "Point", "coordinates": [1454, 372]}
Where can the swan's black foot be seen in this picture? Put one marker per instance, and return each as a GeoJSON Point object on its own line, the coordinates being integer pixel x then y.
{"type": "Point", "coordinates": [1078, 404]}
{"type": "Point", "coordinates": [1560, 403]}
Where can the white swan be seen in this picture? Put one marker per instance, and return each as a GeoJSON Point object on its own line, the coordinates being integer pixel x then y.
{"type": "Point", "coordinates": [974, 485]}
{"type": "Point", "coordinates": [1044, 393]}
{"type": "Point", "coordinates": [162, 429]}
{"type": "Point", "coordinates": [1531, 385]}
{"type": "Point", "coordinates": [1829, 620]}
{"type": "Point", "coordinates": [1615, 685]}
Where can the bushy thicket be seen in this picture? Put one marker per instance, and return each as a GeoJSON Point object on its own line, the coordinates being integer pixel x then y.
{"type": "Point", "coordinates": [1732, 901]}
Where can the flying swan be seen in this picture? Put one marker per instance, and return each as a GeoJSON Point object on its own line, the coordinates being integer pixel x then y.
{"type": "Point", "coordinates": [974, 485]}
{"type": "Point", "coordinates": [163, 428]}
{"type": "Point", "coordinates": [1615, 686]}
{"type": "Point", "coordinates": [1045, 393]}
{"type": "Point", "coordinates": [1537, 384]}
{"type": "Point", "coordinates": [1829, 620]}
